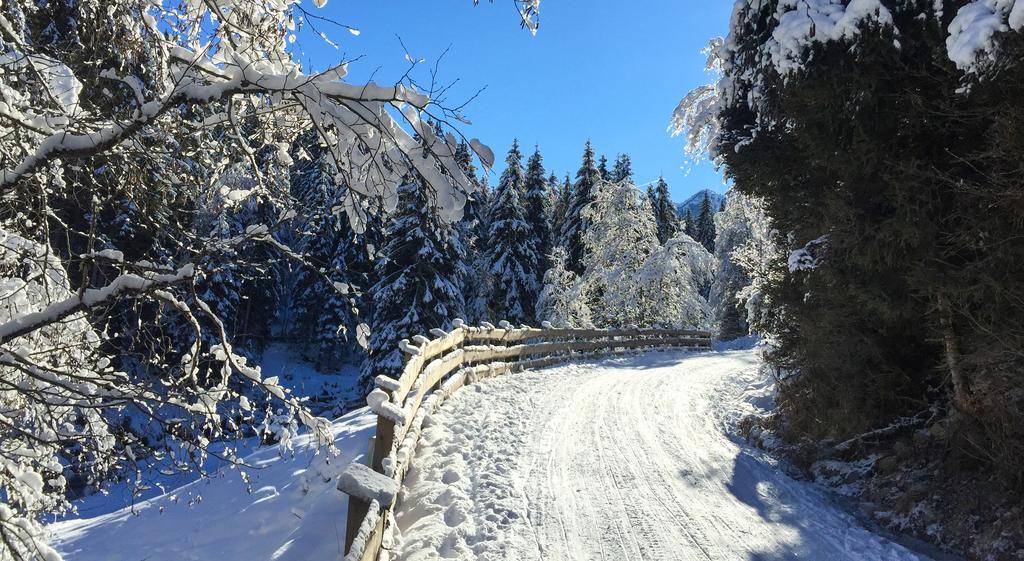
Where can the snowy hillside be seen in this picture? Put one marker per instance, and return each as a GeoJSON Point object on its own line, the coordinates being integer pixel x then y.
{"type": "Point", "coordinates": [693, 203]}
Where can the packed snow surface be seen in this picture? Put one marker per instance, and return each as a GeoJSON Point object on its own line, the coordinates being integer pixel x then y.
{"type": "Point", "coordinates": [617, 460]}
{"type": "Point", "coordinates": [622, 459]}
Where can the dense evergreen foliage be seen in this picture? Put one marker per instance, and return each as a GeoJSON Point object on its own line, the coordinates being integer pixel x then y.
{"type": "Point", "coordinates": [893, 179]}
{"type": "Point", "coordinates": [583, 193]}
{"type": "Point", "coordinates": [418, 281]}
{"type": "Point", "coordinates": [513, 262]}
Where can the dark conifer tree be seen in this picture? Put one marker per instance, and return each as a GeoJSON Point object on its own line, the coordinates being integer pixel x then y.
{"type": "Point", "coordinates": [623, 168]}
{"type": "Point", "coordinates": [583, 193]}
{"type": "Point", "coordinates": [705, 226]}
{"type": "Point", "coordinates": [602, 167]}
{"type": "Point", "coordinates": [472, 232]}
{"type": "Point", "coordinates": [689, 225]}
{"type": "Point", "coordinates": [513, 263]}
{"type": "Point", "coordinates": [417, 286]}
{"type": "Point", "coordinates": [537, 209]}
{"type": "Point", "coordinates": [665, 214]}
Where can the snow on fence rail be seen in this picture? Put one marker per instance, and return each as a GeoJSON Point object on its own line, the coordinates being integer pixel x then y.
{"type": "Point", "coordinates": [434, 369]}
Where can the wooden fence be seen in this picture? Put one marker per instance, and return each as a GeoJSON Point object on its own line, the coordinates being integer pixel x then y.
{"type": "Point", "coordinates": [434, 369]}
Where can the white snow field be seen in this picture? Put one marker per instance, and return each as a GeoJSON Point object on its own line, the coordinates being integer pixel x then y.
{"type": "Point", "coordinates": [621, 459]}
{"type": "Point", "coordinates": [294, 512]}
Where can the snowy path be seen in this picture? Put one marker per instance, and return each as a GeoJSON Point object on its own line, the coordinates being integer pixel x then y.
{"type": "Point", "coordinates": [622, 459]}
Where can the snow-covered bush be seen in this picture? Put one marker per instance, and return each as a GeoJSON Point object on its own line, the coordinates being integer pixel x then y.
{"type": "Point", "coordinates": [562, 301]}
{"type": "Point", "coordinates": [672, 278]}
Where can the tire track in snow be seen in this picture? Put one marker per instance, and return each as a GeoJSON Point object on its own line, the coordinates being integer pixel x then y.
{"type": "Point", "coordinates": [619, 459]}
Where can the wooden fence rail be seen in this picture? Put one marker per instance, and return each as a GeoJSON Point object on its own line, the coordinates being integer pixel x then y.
{"type": "Point", "coordinates": [434, 369]}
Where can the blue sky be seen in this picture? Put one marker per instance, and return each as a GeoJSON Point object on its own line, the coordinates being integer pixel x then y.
{"type": "Point", "coordinates": [608, 70]}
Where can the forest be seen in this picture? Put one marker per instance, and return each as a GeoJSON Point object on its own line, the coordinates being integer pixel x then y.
{"type": "Point", "coordinates": [179, 194]}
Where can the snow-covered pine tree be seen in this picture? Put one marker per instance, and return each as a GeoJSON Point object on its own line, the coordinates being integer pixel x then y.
{"type": "Point", "coordinates": [705, 225]}
{"type": "Point", "coordinates": [322, 310]}
{"type": "Point", "coordinates": [574, 226]}
{"type": "Point", "coordinates": [554, 190]}
{"type": "Point", "coordinates": [602, 167]}
{"type": "Point", "coordinates": [673, 280]}
{"type": "Point", "coordinates": [620, 237]}
{"type": "Point", "coordinates": [478, 284]}
{"type": "Point", "coordinates": [689, 224]}
{"type": "Point", "coordinates": [472, 231]}
{"type": "Point", "coordinates": [733, 230]}
{"type": "Point", "coordinates": [652, 199]}
{"type": "Point", "coordinates": [536, 204]}
{"type": "Point", "coordinates": [562, 194]}
{"type": "Point", "coordinates": [417, 286]}
{"type": "Point", "coordinates": [513, 262]}
{"type": "Point", "coordinates": [665, 214]}
{"type": "Point", "coordinates": [623, 168]}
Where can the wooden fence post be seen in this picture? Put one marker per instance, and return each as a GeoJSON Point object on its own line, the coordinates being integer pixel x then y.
{"type": "Point", "coordinates": [357, 511]}
{"type": "Point", "coordinates": [383, 442]}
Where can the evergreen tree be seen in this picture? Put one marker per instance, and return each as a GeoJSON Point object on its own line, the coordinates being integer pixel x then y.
{"type": "Point", "coordinates": [900, 267]}
{"type": "Point", "coordinates": [689, 226]}
{"type": "Point", "coordinates": [665, 214]}
{"type": "Point", "coordinates": [705, 226]}
{"type": "Point", "coordinates": [602, 167]}
{"type": "Point", "coordinates": [623, 168]}
{"type": "Point", "coordinates": [561, 193]}
{"type": "Point", "coordinates": [582, 194]}
{"type": "Point", "coordinates": [472, 232]}
{"type": "Point", "coordinates": [513, 263]}
{"type": "Point", "coordinates": [554, 189]}
{"type": "Point", "coordinates": [417, 286]}
{"type": "Point", "coordinates": [537, 210]}
{"type": "Point", "coordinates": [734, 227]}
{"type": "Point", "coordinates": [478, 279]}
{"type": "Point", "coordinates": [620, 237]}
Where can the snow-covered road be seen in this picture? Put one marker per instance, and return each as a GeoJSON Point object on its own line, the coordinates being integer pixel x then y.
{"type": "Point", "coordinates": [622, 459]}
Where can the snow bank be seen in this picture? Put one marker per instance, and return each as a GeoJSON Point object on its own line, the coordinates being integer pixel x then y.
{"type": "Point", "coordinates": [285, 507]}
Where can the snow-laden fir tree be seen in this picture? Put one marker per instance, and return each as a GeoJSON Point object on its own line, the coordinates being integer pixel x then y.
{"type": "Point", "coordinates": [620, 237]}
{"type": "Point", "coordinates": [537, 209]}
{"type": "Point", "coordinates": [574, 226]}
{"type": "Point", "coordinates": [602, 167]}
{"type": "Point", "coordinates": [417, 285]}
{"type": "Point", "coordinates": [513, 261]}
{"type": "Point", "coordinates": [731, 230]}
{"type": "Point", "coordinates": [665, 214]}
{"type": "Point", "coordinates": [562, 195]}
{"type": "Point", "coordinates": [554, 190]}
{"type": "Point", "coordinates": [477, 285]}
{"type": "Point", "coordinates": [472, 231]}
{"type": "Point", "coordinates": [704, 227]}
{"type": "Point", "coordinates": [622, 170]}
{"type": "Point", "coordinates": [673, 279]}
{"type": "Point", "coordinates": [760, 259]}
{"type": "Point", "coordinates": [689, 224]}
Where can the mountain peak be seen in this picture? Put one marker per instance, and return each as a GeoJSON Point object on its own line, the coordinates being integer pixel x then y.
{"type": "Point", "coordinates": [693, 203]}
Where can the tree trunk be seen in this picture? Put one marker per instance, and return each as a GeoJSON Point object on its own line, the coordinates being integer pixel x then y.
{"type": "Point", "coordinates": [961, 386]}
